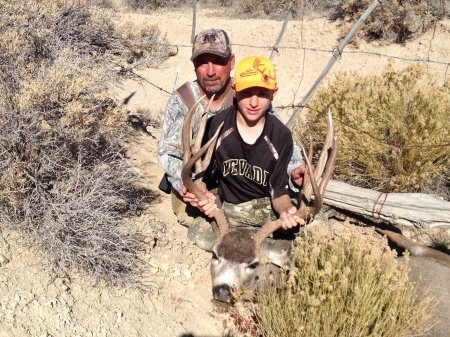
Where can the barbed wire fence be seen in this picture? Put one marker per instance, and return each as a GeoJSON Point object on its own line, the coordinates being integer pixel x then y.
{"type": "Point", "coordinates": [335, 53]}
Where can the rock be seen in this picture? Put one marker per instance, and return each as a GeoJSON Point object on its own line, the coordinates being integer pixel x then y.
{"type": "Point", "coordinates": [187, 273]}
{"type": "Point", "coordinates": [3, 260]}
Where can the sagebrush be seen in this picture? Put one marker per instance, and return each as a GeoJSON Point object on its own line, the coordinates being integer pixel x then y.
{"type": "Point", "coordinates": [393, 129]}
{"type": "Point", "coordinates": [345, 283]}
{"type": "Point", "coordinates": [65, 182]}
{"type": "Point", "coordinates": [395, 21]}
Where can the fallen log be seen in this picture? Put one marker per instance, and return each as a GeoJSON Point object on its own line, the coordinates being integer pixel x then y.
{"type": "Point", "coordinates": [409, 209]}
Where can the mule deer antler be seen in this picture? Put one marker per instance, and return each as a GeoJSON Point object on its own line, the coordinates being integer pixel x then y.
{"type": "Point", "coordinates": [192, 156]}
{"type": "Point", "coordinates": [324, 170]}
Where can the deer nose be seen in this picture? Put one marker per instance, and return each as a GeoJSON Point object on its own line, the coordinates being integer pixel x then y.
{"type": "Point", "coordinates": [222, 293]}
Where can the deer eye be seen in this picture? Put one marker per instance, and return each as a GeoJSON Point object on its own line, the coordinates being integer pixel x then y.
{"type": "Point", "coordinates": [253, 265]}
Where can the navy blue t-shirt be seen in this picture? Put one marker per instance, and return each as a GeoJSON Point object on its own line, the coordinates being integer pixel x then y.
{"type": "Point", "coordinates": [250, 171]}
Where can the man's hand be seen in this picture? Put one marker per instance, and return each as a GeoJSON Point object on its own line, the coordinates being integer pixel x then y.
{"type": "Point", "coordinates": [188, 198]}
{"type": "Point", "coordinates": [298, 174]}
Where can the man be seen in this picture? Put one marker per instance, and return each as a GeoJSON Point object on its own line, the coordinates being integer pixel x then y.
{"type": "Point", "coordinates": [213, 62]}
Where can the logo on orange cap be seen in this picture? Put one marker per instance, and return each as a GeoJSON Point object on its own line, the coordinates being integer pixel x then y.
{"type": "Point", "coordinates": [255, 71]}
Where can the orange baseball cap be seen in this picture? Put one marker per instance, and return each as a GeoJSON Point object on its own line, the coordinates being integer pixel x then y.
{"type": "Point", "coordinates": [255, 71]}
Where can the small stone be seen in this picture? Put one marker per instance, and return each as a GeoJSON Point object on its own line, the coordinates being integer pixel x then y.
{"type": "Point", "coordinates": [175, 272]}
{"type": "Point", "coordinates": [187, 273]}
{"type": "Point", "coordinates": [165, 266]}
{"type": "Point", "coordinates": [154, 270]}
{"type": "Point", "coordinates": [3, 260]}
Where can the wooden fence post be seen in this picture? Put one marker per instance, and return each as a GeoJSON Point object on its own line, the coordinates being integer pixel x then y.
{"type": "Point", "coordinates": [286, 19]}
{"type": "Point", "coordinates": [194, 19]}
{"type": "Point", "coordinates": [333, 59]}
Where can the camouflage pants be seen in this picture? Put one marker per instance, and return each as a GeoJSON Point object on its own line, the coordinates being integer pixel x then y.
{"type": "Point", "coordinates": [253, 213]}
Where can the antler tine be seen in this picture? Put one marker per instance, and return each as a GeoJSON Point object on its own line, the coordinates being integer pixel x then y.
{"type": "Point", "coordinates": [189, 159]}
{"type": "Point", "coordinates": [325, 166]}
{"type": "Point", "coordinates": [186, 134]}
{"type": "Point", "coordinates": [304, 212]}
{"type": "Point", "coordinates": [323, 162]}
{"type": "Point", "coordinates": [186, 170]}
{"type": "Point", "coordinates": [330, 166]}
{"type": "Point", "coordinates": [200, 165]}
{"type": "Point", "coordinates": [271, 226]}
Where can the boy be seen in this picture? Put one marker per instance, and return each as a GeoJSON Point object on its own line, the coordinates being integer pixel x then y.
{"type": "Point", "coordinates": [253, 151]}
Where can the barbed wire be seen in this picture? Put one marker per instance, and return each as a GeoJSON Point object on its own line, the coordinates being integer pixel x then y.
{"type": "Point", "coordinates": [330, 51]}
{"type": "Point", "coordinates": [386, 142]}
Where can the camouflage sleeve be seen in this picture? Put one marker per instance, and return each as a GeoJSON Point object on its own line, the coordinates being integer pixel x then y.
{"type": "Point", "coordinates": [297, 158]}
{"type": "Point", "coordinates": [171, 158]}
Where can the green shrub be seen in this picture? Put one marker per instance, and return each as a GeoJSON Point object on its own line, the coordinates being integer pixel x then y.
{"type": "Point", "coordinates": [349, 284]}
{"type": "Point", "coordinates": [393, 129]}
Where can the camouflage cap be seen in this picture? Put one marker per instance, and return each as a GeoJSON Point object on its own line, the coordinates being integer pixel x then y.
{"type": "Point", "coordinates": [214, 41]}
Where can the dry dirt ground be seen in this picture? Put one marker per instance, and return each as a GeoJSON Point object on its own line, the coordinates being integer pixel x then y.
{"type": "Point", "coordinates": [33, 303]}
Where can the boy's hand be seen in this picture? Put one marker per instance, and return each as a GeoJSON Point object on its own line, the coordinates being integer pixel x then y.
{"type": "Point", "coordinates": [283, 206]}
{"type": "Point", "coordinates": [206, 206]}
{"type": "Point", "coordinates": [288, 220]}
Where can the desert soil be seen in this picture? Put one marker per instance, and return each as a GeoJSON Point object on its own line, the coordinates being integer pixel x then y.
{"type": "Point", "coordinates": [178, 303]}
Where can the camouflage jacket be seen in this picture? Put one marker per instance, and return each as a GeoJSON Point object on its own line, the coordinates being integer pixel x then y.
{"type": "Point", "coordinates": [171, 158]}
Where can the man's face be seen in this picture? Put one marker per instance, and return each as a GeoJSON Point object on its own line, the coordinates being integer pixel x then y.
{"type": "Point", "coordinates": [213, 72]}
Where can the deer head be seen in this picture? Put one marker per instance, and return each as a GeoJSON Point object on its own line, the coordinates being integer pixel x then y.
{"type": "Point", "coordinates": [241, 257]}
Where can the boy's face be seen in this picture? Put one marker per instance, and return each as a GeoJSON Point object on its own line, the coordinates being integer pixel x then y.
{"type": "Point", "coordinates": [253, 102]}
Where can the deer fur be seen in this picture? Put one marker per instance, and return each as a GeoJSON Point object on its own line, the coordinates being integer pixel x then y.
{"type": "Point", "coordinates": [429, 270]}
{"type": "Point", "coordinates": [236, 262]}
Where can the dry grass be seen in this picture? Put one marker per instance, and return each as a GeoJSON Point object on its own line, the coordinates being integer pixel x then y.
{"type": "Point", "coordinates": [392, 21]}
{"type": "Point", "coordinates": [394, 129]}
{"type": "Point", "coordinates": [66, 184]}
{"type": "Point", "coordinates": [395, 21]}
{"type": "Point", "coordinates": [340, 284]}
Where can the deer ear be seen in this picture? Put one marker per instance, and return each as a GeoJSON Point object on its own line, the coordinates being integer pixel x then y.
{"type": "Point", "coordinates": [279, 258]}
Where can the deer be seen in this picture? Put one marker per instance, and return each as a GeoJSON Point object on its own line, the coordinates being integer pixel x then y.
{"type": "Point", "coordinates": [241, 258]}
